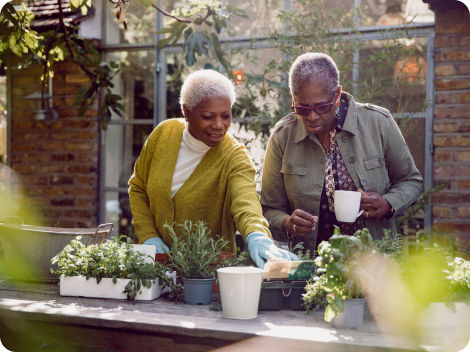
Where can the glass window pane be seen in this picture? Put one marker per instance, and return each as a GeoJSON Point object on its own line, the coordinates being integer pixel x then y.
{"type": "Point", "coordinates": [262, 17]}
{"type": "Point", "coordinates": [123, 146]}
{"type": "Point", "coordinates": [413, 130]}
{"type": "Point", "coordinates": [3, 120]}
{"type": "Point", "coordinates": [314, 19]}
{"type": "Point", "coordinates": [118, 212]}
{"type": "Point", "coordinates": [393, 12]}
{"type": "Point", "coordinates": [140, 21]}
{"type": "Point", "coordinates": [135, 83]}
{"type": "Point", "coordinates": [392, 74]}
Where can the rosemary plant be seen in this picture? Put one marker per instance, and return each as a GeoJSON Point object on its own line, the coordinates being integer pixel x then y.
{"type": "Point", "coordinates": [193, 250]}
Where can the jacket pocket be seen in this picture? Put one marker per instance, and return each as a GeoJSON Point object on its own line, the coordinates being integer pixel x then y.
{"type": "Point", "coordinates": [294, 179]}
{"type": "Point", "coordinates": [291, 169]}
{"type": "Point", "coordinates": [377, 174]}
{"type": "Point", "coordinates": [374, 162]}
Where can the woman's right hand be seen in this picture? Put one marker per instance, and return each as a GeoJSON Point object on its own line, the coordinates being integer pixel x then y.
{"type": "Point", "coordinates": [300, 223]}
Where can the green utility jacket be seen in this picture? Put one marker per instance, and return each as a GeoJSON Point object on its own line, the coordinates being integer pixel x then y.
{"type": "Point", "coordinates": [375, 154]}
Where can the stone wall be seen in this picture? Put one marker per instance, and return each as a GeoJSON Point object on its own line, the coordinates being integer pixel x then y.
{"type": "Point", "coordinates": [451, 207]}
{"type": "Point", "coordinates": [58, 165]}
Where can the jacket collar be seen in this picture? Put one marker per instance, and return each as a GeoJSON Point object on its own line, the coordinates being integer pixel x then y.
{"type": "Point", "coordinates": [350, 123]}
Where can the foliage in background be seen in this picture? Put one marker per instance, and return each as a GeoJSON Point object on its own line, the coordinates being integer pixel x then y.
{"type": "Point", "coordinates": [114, 259]}
{"type": "Point", "coordinates": [199, 23]}
{"type": "Point", "coordinates": [408, 224]}
{"type": "Point", "coordinates": [390, 244]}
{"type": "Point", "coordinates": [21, 46]}
{"type": "Point", "coordinates": [193, 250]}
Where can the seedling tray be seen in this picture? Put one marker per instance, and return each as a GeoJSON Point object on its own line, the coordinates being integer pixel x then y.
{"type": "Point", "coordinates": [277, 295]}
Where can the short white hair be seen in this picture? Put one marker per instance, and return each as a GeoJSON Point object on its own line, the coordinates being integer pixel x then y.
{"type": "Point", "coordinates": [317, 67]}
{"type": "Point", "coordinates": [205, 83]}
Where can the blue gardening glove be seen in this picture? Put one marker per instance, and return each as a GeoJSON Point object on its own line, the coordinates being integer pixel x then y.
{"type": "Point", "coordinates": [261, 247]}
{"type": "Point", "coordinates": [160, 246]}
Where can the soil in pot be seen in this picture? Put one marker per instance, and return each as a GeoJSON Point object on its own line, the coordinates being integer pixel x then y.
{"type": "Point", "coordinates": [162, 258]}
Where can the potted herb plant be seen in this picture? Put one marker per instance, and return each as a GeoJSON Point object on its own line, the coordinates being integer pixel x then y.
{"type": "Point", "coordinates": [193, 252]}
{"type": "Point", "coordinates": [439, 285]}
{"type": "Point", "coordinates": [112, 269]}
{"type": "Point", "coordinates": [333, 284]}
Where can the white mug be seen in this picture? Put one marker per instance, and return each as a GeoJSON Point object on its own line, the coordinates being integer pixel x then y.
{"type": "Point", "coordinates": [347, 205]}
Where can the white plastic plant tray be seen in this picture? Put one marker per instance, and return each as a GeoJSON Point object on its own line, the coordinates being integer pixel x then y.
{"type": "Point", "coordinates": [79, 286]}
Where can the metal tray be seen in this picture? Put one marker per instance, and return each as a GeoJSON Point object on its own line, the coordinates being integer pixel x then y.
{"type": "Point", "coordinates": [27, 250]}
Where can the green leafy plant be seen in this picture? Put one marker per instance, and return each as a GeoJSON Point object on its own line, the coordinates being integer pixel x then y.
{"type": "Point", "coordinates": [458, 276]}
{"type": "Point", "coordinates": [433, 273]}
{"type": "Point", "coordinates": [302, 253]}
{"type": "Point", "coordinates": [315, 293]}
{"type": "Point", "coordinates": [409, 222]}
{"type": "Point", "coordinates": [243, 259]}
{"type": "Point", "coordinates": [114, 258]}
{"type": "Point", "coordinates": [335, 263]}
{"type": "Point", "coordinates": [390, 244]}
{"type": "Point", "coordinates": [317, 288]}
{"type": "Point", "coordinates": [193, 250]}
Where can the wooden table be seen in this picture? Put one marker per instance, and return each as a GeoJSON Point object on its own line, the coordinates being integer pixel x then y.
{"type": "Point", "coordinates": [31, 315]}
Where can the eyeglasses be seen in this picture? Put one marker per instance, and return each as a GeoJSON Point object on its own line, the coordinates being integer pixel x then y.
{"type": "Point", "coordinates": [319, 109]}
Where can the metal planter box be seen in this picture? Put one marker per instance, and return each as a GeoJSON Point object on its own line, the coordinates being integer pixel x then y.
{"type": "Point", "coordinates": [33, 247]}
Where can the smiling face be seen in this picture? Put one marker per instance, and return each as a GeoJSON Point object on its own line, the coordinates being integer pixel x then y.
{"type": "Point", "coordinates": [209, 120]}
{"type": "Point", "coordinates": [312, 94]}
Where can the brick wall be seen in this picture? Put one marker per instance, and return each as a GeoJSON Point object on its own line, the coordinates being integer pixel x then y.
{"type": "Point", "coordinates": [451, 207]}
{"type": "Point", "coordinates": [58, 165]}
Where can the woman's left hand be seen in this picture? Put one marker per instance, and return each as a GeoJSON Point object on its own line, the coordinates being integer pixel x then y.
{"type": "Point", "coordinates": [374, 205]}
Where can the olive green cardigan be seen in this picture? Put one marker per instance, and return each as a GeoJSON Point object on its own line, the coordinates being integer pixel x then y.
{"type": "Point", "coordinates": [221, 190]}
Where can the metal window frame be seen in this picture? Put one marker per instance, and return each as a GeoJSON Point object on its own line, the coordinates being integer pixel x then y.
{"type": "Point", "coordinates": [9, 118]}
{"type": "Point", "coordinates": [360, 33]}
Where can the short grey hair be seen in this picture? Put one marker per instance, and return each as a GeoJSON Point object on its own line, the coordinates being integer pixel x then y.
{"type": "Point", "coordinates": [317, 67]}
{"type": "Point", "coordinates": [205, 83]}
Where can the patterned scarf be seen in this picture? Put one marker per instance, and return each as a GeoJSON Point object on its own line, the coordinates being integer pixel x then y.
{"type": "Point", "coordinates": [329, 176]}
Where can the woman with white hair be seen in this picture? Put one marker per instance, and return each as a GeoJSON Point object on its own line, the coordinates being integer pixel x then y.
{"type": "Point", "coordinates": [192, 169]}
{"type": "Point", "coordinates": [331, 142]}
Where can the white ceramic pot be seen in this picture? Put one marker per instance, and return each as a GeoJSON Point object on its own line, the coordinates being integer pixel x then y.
{"type": "Point", "coordinates": [240, 289]}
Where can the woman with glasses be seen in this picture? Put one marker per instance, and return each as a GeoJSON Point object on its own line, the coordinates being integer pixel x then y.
{"type": "Point", "coordinates": [331, 142]}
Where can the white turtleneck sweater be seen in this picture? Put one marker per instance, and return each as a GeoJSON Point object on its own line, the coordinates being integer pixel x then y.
{"type": "Point", "coordinates": [191, 152]}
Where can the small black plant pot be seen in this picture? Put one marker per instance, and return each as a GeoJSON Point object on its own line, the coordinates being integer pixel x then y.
{"type": "Point", "coordinates": [198, 291]}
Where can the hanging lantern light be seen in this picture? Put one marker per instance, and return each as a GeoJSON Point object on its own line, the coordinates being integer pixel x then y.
{"type": "Point", "coordinates": [44, 111]}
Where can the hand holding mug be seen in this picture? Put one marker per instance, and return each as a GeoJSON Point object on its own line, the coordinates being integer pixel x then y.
{"type": "Point", "coordinates": [374, 205]}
